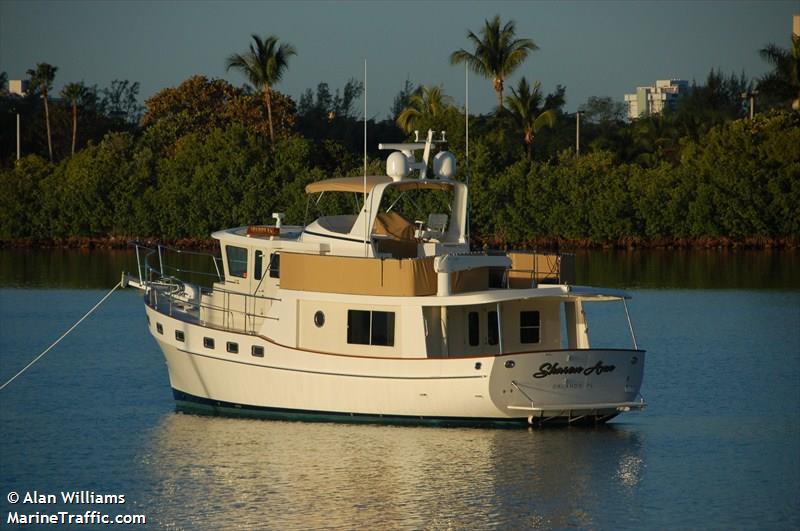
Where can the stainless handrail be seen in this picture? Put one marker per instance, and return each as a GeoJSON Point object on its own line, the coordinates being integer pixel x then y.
{"type": "Point", "coordinates": [173, 300]}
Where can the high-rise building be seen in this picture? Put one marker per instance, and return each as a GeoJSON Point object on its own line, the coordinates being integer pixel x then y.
{"type": "Point", "coordinates": [653, 100]}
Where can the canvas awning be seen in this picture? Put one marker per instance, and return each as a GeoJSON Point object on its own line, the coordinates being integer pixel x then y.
{"type": "Point", "coordinates": [356, 184]}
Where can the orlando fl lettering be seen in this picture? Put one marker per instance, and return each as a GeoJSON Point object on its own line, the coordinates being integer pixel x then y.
{"type": "Point", "coordinates": [548, 369]}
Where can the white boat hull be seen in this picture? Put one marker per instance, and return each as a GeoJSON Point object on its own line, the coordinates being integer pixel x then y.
{"type": "Point", "coordinates": [589, 384]}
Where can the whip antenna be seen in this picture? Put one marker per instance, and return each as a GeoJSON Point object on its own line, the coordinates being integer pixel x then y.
{"type": "Point", "coordinates": [366, 217]}
{"type": "Point", "coordinates": [466, 128]}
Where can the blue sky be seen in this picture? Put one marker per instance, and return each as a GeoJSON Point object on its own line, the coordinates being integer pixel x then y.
{"type": "Point", "coordinates": [593, 48]}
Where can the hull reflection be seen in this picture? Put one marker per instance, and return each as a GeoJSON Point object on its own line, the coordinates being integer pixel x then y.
{"type": "Point", "coordinates": [304, 475]}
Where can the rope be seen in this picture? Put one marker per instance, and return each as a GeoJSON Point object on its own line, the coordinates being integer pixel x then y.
{"type": "Point", "coordinates": [57, 341]}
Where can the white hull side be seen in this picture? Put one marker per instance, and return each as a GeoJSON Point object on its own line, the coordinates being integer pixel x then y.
{"type": "Point", "coordinates": [475, 388]}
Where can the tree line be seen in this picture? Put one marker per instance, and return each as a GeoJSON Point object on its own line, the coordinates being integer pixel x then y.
{"type": "Point", "coordinates": [207, 154]}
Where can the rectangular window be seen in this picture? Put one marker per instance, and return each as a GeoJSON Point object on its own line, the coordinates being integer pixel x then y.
{"type": "Point", "coordinates": [232, 347]}
{"type": "Point", "coordinates": [529, 327]}
{"type": "Point", "coordinates": [474, 327]}
{"type": "Point", "coordinates": [494, 331]}
{"type": "Point", "coordinates": [179, 336]}
{"type": "Point", "coordinates": [358, 327]}
{"type": "Point", "coordinates": [274, 265]}
{"type": "Point", "coordinates": [208, 342]}
{"type": "Point", "coordinates": [370, 328]}
{"type": "Point", "coordinates": [258, 265]}
{"type": "Point", "coordinates": [257, 351]}
{"type": "Point", "coordinates": [159, 328]}
{"type": "Point", "coordinates": [237, 261]}
{"type": "Point", "coordinates": [383, 328]}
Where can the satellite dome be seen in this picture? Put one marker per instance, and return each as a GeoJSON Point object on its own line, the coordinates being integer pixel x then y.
{"type": "Point", "coordinates": [444, 165]}
{"type": "Point", "coordinates": [397, 166]}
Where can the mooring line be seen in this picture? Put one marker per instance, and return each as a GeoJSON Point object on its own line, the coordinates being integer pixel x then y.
{"type": "Point", "coordinates": [87, 314]}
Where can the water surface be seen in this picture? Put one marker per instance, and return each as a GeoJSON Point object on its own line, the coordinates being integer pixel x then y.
{"type": "Point", "coordinates": [718, 446]}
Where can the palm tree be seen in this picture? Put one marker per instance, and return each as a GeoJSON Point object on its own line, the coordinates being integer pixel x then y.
{"type": "Point", "coordinates": [42, 78]}
{"type": "Point", "coordinates": [783, 82]}
{"type": "Point", "coordinates": [497, 54]}
{"type": "Point", "coordinates": [424, 102]}
{"type": "Point", "coordinates": [524, 106]}
{"type": "Point", "coordinates": [74, 93]}
{"type": "Point", "coordinates": [264, 66]}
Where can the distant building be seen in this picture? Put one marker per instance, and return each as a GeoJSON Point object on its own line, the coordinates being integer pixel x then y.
{"type": "Point", "coordinates": [652, 100]}
{"type": "Point", "coordinates": [18, 87]}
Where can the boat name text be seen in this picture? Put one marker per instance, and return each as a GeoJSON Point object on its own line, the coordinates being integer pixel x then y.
{"type": "Point", "coordinates": [547, 369]}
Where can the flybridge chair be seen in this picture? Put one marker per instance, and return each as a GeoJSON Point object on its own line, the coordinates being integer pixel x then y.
{"type": "Point", "coordinates": [434, 229]}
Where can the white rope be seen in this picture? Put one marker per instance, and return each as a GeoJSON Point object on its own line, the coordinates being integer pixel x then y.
{"type": "Point", "coordinates": [57, 341]}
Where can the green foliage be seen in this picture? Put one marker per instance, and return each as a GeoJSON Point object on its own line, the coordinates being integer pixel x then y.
{"type": "Point", "coordinates": [200, 163]}
{"type": "Point", "coordinates": [21, 198]}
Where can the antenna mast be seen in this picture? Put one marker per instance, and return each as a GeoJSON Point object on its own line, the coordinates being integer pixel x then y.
{"type": "Point", "coordinates": [466, 128]}
{"type": "Point", "coordinates": [366, 216]}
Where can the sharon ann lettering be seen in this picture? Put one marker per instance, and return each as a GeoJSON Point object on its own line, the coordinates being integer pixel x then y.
{"type": "Point", "coordinates": [547, 369]}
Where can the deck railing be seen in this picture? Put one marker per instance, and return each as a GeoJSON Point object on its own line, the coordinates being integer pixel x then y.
{"type": "Point", "coordinates": [173, 296]}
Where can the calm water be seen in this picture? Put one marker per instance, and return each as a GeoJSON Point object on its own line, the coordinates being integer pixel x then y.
{"type": "Point", "coordinates": [718, 446]}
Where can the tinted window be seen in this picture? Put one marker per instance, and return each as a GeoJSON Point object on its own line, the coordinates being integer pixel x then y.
{"type": "Point", "coordinates": [274, 265]}
{"type": "Point", "coordinates": [208, 342]}
{"type": "Point", "coordinates": [358, 327]}
{"type": "Point", "coordinates": [494, 333]}
{"type": "Point", "coordinates": [257, 351]}
{"type": "Point", "coordinates": [383, 328]}
{"type": "Point", "coordinates": [370, 328]}
{"type": "Point", "coordinates": [237, 261]}
{"type": "Point", "coordinates": [233, 348]}
{"type": "Point", "coordinates": [259, 265]}
{"type": "Point", "coordinates": [529, 327]}
{"type": "Point", "coordinates": [473, 324]}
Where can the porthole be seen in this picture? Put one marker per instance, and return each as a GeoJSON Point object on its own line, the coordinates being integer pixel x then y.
{"type": "Point", "coordinates": [208, 342]}
{"type": "Point", "coordinates": [179, 336]}
{"type": "Point", "coordinates": [257, 351]}
{"type": "Point", "coordinates": [159, 328]}
{"type": "Point", "coordinates": [319, 319]}
{"type": "Point", "coordinates": [510, 364]}
{"type": "Point", "coordinates": [232, 347]}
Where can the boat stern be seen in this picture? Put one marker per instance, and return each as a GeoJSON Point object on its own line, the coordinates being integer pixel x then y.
{"type": "Point", "coordinates": [573, 385]}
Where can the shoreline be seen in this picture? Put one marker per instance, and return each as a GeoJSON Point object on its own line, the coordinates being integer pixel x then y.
{"type": "Point", "coordinates": [629, 243]}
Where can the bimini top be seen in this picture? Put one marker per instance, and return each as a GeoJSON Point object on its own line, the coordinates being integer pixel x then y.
{"type": "Point", "coordinates": [356, 184]}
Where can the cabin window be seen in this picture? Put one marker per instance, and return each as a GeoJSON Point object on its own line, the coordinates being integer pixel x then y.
{"type": "Point", "coordinates": [179, 336]}
{"type": "Point", "coordinates": [370, 328]}
{"type": "Point", "coordinates": [259, 265]}
{"type": "Point", "coordinates": [474, 329]}
{"type": "Point", "coordinates": [529, 327]}
{"type": "Point", "coordinates": [237, 261]}
{"type": "Point", "coordinates": [494, 331]}
{"type": "Point", "coordinates": [232, 347]}
{"type": "Point", "coordinates": [208, 342]}
{"type": "Point", "coordinates": [257, 351]}
{"type": "Point", "coordinates": [275, 265]}
{"type": "Point", "coordinates": [319, 319]}
{"type": "Point", "coordinates": [159, 328]}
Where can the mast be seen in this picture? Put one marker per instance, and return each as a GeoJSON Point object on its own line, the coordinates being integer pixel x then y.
{"type": "Point", "coordinates": [366, 216]}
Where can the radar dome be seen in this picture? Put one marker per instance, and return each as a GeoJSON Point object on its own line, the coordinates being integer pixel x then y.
{"type": "Point", "coordinates": [397, 166]}
{"type": "Point", "coordinates": [444, 165]}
